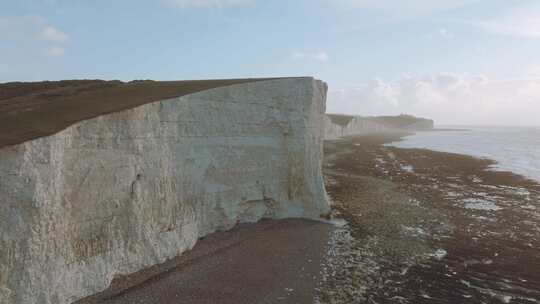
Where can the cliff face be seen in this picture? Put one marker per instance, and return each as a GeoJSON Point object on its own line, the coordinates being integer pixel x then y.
{"type": "Point", "coordinates": [337, 126]}
{"type": "Point", "coordinates": [120, 192]}
{"type": "Point", "coordinates": [355, 126]}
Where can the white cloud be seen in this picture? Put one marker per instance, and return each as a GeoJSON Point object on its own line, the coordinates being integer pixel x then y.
{"type": "Point", "coordinates": [409, 7]}
{"type": "Point", "coordinates": [56, 51]}
{"type": "Point", "coordinates": [445, 33]}
{"type": "Point", "coordinates": [445, 97]}
{"type": "Point", "coordinates": [441, 33]}
{"type": "Point", "coordinates": [208, 3]}
{"type": "Point", "coordinates": [533, 71]}
{"type": "Point", "coordinates": [50, 33]}
{"type": "Point", "coordinates": [34, 32]}
{"type": "Point", "coordinates": [317, 56]}
{"type": "Point", "coordinates": [522, 22]}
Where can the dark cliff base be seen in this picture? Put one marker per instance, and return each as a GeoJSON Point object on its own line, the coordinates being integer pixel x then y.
{"type": "Point", "coordinates": [429, 227]}
{"type": "Point", "coordinates": [268, 262]}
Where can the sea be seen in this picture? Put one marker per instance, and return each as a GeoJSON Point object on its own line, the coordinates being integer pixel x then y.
{"type": "Point", "coordinates": [515, 149]}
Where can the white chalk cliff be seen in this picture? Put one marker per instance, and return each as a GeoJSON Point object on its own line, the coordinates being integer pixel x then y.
{"type": "Point", "coordinates": [121, 192]}
{"type": "Point", "coordinates": [337, 126]}
{"type": "Point", "coordinates": [356, 126]}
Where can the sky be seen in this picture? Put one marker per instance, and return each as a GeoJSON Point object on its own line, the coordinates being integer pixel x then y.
{"type": "Point", "coordinates": [456, 61]}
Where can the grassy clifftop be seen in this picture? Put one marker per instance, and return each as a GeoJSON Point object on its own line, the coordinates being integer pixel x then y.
{"type": "Point", "coordinates": [36, 109]}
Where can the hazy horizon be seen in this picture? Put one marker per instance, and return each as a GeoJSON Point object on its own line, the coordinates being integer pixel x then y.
{"type": "Point", "coordinates": [459, 62]}
{"type": "Point", "coordinates": [438, 125]}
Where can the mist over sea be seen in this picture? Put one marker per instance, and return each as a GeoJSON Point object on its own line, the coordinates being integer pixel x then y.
{"type": "Point", "coordinates": [515, 149]}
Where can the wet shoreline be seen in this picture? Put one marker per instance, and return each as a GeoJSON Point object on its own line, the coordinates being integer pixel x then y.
{"type": "Point", "coordinates": [428, 227]}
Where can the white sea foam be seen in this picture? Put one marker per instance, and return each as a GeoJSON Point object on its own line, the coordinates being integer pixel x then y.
{"type": "Point", "coordinates": [439, 254]}
{"type": "Point", "coordinates": [407, 168]}
{"type": "Point", "coordinates": [480, 204]}
{"type": "Point", "coordinates": [515, 149]}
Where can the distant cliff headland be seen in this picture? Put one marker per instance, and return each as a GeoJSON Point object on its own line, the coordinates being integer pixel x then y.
{"type": "Point", "coordinates": [339, 125]}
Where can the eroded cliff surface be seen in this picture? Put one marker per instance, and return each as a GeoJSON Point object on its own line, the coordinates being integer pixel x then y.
{"type": "Point", "coordinates": [120, 192]}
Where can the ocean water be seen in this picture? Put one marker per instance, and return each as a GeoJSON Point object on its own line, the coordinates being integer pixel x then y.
{"type": "Point", "coordinates": [515, 149]}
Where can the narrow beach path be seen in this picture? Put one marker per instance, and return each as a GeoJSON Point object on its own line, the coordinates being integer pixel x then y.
{"type": "Point", "coordinates": [268, 262]}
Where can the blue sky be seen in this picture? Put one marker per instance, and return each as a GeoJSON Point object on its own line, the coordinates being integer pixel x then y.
{"type": "Point", "coordinates": [458, 61]}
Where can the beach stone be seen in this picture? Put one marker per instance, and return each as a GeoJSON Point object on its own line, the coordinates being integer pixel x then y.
{"type": "Point", "coordinates": [121, 192]}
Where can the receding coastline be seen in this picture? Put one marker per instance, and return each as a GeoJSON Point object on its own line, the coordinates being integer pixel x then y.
{"type": "Point", "coordinates": [428, 226]}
